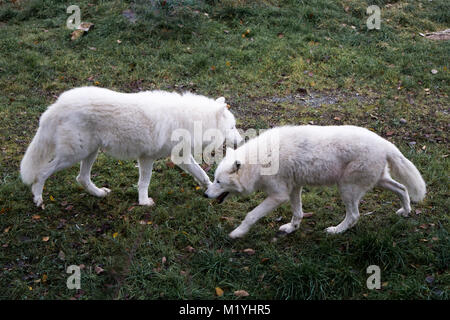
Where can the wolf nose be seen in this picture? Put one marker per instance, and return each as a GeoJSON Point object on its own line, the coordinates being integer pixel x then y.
{"type": "Point", "coordinates": [205, 195]}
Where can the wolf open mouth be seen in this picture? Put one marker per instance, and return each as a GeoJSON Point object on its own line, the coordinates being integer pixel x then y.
{"type": "Point", "coordinates": [222, 197]}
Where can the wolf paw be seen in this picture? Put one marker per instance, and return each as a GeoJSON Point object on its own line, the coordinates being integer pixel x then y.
{"type": "Point", "coordinates": [39, 202]}
{"type": "Point", "coordinates": [237, 233]}
{"type": "Point", "coordinates": [147, 202]}
{"type": "Point", "coordinates": [103, 192]}
{"type": "Point", "coordinates": [288, 228]}
{"type": "Point", "coordinates": [402, 212]}
{"type": "Point", "coordinates": [332, 230]}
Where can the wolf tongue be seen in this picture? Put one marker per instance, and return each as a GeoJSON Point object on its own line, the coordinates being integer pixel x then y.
{"type": "Point", "coordinates": [221, 197]}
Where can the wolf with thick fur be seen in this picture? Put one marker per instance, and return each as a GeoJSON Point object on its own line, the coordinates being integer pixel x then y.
{"type": "Point", "coordinates": [353, 158]}
{"type": "Point", "coordinates": [125, 126]}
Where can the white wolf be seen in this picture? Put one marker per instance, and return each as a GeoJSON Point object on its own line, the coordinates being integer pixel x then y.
{"type": "Point", "coordinates": [124, 125]}
{"type": "Point", "coordinates": [354, 158]}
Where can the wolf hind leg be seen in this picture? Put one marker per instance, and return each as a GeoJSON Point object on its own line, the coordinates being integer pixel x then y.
{"type": "Point", "coordinates": [84, 177]}
{"type": "Point", "coordinates": [388, 183]}
{"type": "Point", "coordinates": [57, 164]}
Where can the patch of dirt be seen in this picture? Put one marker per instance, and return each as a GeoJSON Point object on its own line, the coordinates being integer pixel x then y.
{"type": "Point", "coordinates": [316, 99]}
{"type": "Point", "coordinates": [439, 35]}
{"type": "Point", "coordinates": [271, 109]}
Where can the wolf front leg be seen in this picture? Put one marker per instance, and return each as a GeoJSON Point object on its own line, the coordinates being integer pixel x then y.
{"type": "Point", "coordinates": [196, 171]}
{"type": "Point", "coordinates": [297, 212]}
{"type": "Point", "coordinates": [264, 208]}
{"type": "Point", "coordinates": [145, 175]}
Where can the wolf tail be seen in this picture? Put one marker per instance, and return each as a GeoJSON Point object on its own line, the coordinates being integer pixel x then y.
{"type": "Point", "coordinates": [39, 152]}
{"type": "Point", "coordinates": [406, 173]}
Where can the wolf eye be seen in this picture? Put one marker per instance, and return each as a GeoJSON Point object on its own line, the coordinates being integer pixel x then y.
{"type": "Point", "coordinates": [218, 181]}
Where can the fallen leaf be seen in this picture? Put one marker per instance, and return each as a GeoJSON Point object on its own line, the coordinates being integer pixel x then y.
{"type": "Point", "coordinates": [429, 279]}
{"type": "Point", "coordinates": [241, 293]}
{"type": "Point", "coordinates": [45, 239]}
{"type": "Point", "coordinates": [76, 34]}
{"type": "Point", "coordinates": [7, 230]}
{"type": "Point", "coordinates": [85, 26]}
{"type": "Point", "coordinates": [434, 71]}
{"type": "Point", "coordinates": [219, 292]}
{"type": "Point", "coordinates": [51, 198]}
{"type": "Point", "coordinates": [249, 251]}
{"type": "Point", "coordinates": [115, 234]}
{"type": "Point", "coordinates": [189, 249]}
{"type": "Point", "coordinates": [307, 214]}
{"type": "Point", "coordinates": [98, 269]}
{"type": "Point", "coordinates": [61, 255]}
{"type": "Point", "coordinates": [170, 164]}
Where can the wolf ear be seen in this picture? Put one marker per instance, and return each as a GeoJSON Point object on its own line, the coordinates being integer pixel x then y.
{"type": "Point", "coordinates": [236, 166]}
{"type": "Point", "coordinates": [220, 100]}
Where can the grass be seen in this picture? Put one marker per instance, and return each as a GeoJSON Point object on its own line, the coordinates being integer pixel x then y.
{"type": "Point", "coordinates": [276, 62]}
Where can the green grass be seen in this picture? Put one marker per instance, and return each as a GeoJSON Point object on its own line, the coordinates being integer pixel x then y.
{"type": "Point", "coordinates": [299, 62]}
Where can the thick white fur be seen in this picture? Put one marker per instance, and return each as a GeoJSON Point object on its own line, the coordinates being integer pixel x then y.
{"type": "Point", "coordinates": [354, 158]}
{"type": "Point", "coordinates": [124, 125]}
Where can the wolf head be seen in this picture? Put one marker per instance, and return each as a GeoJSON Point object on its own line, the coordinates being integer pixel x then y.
{"type": "Point", "coordinates": [226, 178]}
{"type": "Point", "coordinates": [227, 124]}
